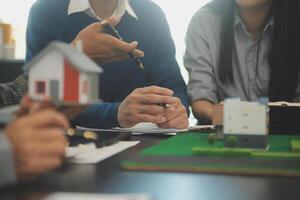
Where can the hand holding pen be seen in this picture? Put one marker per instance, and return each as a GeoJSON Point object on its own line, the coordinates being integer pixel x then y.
{"type": "Point", "coordinates": [105, 48]}
{"type": "Point", "coordinates": [110, 29]}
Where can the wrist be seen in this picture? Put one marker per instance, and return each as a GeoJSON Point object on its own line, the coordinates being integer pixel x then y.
{"type": "Point", "coordinates": [120, 119]}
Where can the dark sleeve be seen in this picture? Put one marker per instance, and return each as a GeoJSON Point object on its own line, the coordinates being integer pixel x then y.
{"type": "Point", "coordinates": [12, 93]}
{"type": "Point", "coordinates": [164, 69]}
{"type": "Point", "coordinates": [104, 115]}
{"type": "Point", "coordinates": [38, 32]}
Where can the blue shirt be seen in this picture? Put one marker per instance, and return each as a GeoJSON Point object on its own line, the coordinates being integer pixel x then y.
{"type": "Point", "coordinates": [50, 21]}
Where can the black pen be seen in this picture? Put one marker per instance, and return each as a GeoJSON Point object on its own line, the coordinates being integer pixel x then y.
{"type": "Point", "coordinates": [108, 28]}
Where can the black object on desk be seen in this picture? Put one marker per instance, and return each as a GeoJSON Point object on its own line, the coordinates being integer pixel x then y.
{"type": "Point", "coordinates": [284, 120]}
{"type": "Point", "coordinates": [100, 138]}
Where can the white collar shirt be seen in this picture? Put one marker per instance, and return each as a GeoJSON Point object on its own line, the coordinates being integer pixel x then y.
{"type": "Point", "coordinates": [76, 6]}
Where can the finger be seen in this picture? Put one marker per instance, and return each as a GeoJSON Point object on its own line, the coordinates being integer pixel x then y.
{"type": "Point", "coordinates": [150, 109]}
{"type": "Point", "coordinates": [149, 99]}
{"type": "Point", "coordinates": [35, 107]}
{"type": "Point", "coordinates": [177, 103]}
{"type": "Point", "coordinates": [47, 103]}
{"type": "Point", "coordinates": [50, 148]}
{"type": "Point", "coordinates": [96, 27]}
{"type": "Point", "coordinates": [155, 90]}
{"type": "Point", "coordinates": [172, 113]}
{"type": "Point", "coordinates": [117, 47]}
{"type": "Point", "coordinates": [121, 46]}
{"type": "Point", "coordinates": [51, 135]}
{"type": "Point", "coordinates": [26, 101]}
{"type": "Point", "coordinates": [114, 43]}
{"type": "Point", "coordinates": [156, 119]}
{"type": "Point", "coordinates": [47, 118]}
{"type": "Point", "coordinates": [179, 122]}
{"type": "Point", "coordinates": [24, 106]}
{"type": "Point", "coordinates": [138, 53]}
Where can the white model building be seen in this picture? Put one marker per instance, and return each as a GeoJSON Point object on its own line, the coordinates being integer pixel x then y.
{"type": "Point", "coordinates": [247, 121]}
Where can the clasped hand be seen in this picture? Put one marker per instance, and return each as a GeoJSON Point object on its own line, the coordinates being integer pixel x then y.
{"type": "Point", "coordinates": [144, 105]}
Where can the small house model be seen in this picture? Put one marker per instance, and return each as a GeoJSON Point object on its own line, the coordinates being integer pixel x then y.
{"type": "Point", "coordinates": [246, 123]}
{"type": "Point", "coordinates": [65, 74]}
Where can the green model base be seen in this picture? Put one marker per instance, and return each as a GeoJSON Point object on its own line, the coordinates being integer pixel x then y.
{"type": "Point", "coordinates": [249, 153]}
{"type": "Point", "coordinates": [295, 145]}
{"type": "Point", "coordinates": [193, 153]}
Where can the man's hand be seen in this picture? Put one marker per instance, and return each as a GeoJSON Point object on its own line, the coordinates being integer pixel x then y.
{"type": "Point", "coordinates": [104, 48]}
{"type": "Point", "coordinates": [178, 118]}
{"type": "Point", "coordinates": [30, 106]}
{"type": "Point", "coordinates": [144, 105]}
{"type": "Point", "coordinates": [38, 142]}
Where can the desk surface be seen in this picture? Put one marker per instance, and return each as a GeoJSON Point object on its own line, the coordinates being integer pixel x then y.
{"type": "Point", "coordinates": [108, 177]}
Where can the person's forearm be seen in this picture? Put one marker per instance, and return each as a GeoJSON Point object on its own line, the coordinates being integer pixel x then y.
{"type": "Point", "coordinates": [12, 93]}
{"type": "Point", "coordinates": [203, 111]}
{"type": "Point", "coordinates": [7, 165]}
{"type": "Point", "coordinates": [104, 115]}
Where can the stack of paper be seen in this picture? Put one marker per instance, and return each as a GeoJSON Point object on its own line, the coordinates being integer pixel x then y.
{"type": "Point", "coordinates": [89, 154]}
{"type": "Point", "coordinates": [150, 128]}
{"type": "Point", "coordinates": [147, 127]}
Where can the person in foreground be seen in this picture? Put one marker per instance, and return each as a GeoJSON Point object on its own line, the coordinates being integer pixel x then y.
{"type": "Point", "coordinates": [243, 48]}
{"type": "Point", "coordinates": [32, 144]}
{"type": "Point", "coordinates": [130, 94]}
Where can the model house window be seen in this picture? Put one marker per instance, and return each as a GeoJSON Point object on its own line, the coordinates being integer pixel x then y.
{"type": "Point", "coordinates": [85, 87]}
{"type": "Point", "coordinates": [40, 87]}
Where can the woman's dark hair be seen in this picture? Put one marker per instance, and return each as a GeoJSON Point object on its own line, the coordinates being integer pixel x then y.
{"type": "Point", "coordinates": [284, 55]}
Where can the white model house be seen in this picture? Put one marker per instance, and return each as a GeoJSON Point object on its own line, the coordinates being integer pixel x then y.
{"type": "Point", "coordinates": [247, 122]}
{"type": "Point", "coordinates": [65, 74]}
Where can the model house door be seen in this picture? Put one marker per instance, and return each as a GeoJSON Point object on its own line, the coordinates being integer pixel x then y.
{"type": "Point", "coordinates": [54, 90]}
{"type": "Point", "coordinates": [71, 83]}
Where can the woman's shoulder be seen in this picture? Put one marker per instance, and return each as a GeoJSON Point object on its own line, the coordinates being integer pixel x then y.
{"type": "Point", "coordinates": [207, 16]}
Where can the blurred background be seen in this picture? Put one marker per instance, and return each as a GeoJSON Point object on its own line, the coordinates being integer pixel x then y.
{"type": "Point", "coordinates": [178, 13]}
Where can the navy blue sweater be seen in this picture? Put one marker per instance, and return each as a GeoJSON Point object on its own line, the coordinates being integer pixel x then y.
{"type": "Point", "coordinates": [48, 21]}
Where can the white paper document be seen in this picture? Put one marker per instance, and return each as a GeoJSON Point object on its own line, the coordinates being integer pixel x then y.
{"type": "Point", "coordinates": [147, 127]}
{"type": "Point", "coordinates": [89, 154]}
{"type": "Point", "coordinates": [87, 196]}
{"type": "Point", "coordinates": [284, 104]}
{"type": "Point", "coordinates": [151, 128]}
